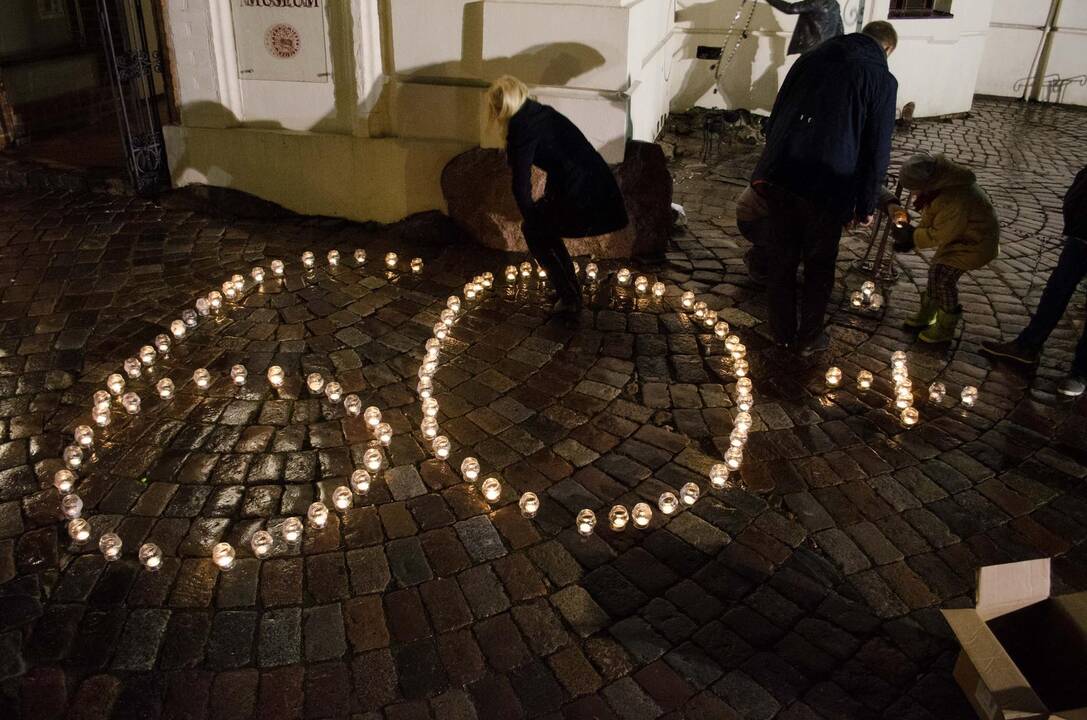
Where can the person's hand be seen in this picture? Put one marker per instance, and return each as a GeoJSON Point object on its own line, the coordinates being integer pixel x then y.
{"type": "Point", "coordinates": [864, 222]}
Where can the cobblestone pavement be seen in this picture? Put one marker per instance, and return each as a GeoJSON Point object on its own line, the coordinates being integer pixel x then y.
{"type": "Point", "coordinates": [811, 589]}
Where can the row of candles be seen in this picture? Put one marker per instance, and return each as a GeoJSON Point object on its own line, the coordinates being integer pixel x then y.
{"type": "Point", "coordinates": [903, 392]}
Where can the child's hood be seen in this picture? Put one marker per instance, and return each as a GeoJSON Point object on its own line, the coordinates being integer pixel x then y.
{"type": "Point", "coordinates": [925, 173]}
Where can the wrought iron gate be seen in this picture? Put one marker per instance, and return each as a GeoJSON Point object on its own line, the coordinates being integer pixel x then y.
{"type": "Point", "coordinates": [132, 61]}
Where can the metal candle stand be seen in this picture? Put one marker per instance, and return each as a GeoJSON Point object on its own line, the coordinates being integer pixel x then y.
{"type": "Point", "coordinates": [878, 264]}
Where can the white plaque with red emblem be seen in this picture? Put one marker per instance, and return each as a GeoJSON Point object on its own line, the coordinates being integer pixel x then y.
{"type": "Point", "coordinates": [281, 40]}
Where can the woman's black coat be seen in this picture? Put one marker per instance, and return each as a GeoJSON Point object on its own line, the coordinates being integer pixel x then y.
{"type": "Point", "coordinates": [582, 198]}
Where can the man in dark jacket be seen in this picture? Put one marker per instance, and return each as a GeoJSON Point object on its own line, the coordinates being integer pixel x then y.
{"type": "Point", "coordinates": [828, 144]}
{"type": "Point", "coordinates": [819, 20]}
{"type": "Point", "coordinates": [1071, 269]}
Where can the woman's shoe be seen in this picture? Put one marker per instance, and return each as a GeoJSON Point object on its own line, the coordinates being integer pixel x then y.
{"type": "Point", "coordinates": [1072, 386]}
{"type": "Point", "coordinates": [943, 329]}
{"type": "Point", "coordinates": [926, 314]}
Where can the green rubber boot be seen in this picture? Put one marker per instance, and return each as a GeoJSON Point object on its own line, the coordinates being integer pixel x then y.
{"type": "Point", "coordinates": [925, 316]}
{"type": "Point", "coordinates": [943, 330]}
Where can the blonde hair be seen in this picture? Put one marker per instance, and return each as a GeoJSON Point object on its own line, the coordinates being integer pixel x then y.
{"type": "Point", "coordinates": [505, 97]}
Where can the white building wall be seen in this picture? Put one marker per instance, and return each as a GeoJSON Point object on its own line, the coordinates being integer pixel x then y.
{"type": "Point", "coordinates": [1037, 50]}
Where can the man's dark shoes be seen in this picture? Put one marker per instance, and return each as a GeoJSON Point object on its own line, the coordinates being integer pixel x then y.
{"type": "Point", "coordinates": [1012, 351]}
{"type": "Point", "coordinates": [813, 345]}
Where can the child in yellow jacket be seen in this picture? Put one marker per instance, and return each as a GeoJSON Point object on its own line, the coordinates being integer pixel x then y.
{"type": "Point", "coordinates": [957, 220]}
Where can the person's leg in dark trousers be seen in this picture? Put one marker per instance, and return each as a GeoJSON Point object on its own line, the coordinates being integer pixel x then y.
{"type": "Point", "coordinates": [1059, 289]}
{"type": "Point", "coordinates": [548, 248]}
{"type": "Point", "coordinates": [824, 233]}
{"type": "Point", "coordinates": [786, 236]}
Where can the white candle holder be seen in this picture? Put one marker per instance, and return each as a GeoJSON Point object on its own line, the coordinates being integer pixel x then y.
{"type": "Point", "coordinates": [529, 505]}
{"type": "Point", "coordinates": [586, 522]}
{"type": "Point", "coordinates": [110, 545]}
{"type": "Point", "coordinates": [150, 556]}
{"type": "Point", "coordinates": [618, 518]}
{"type": "Point", "coordinates": [223, 556]}
{"type": "Point", "coordinates": [360, 481]}
{"type": "Point", "coordinates": [317, 515]}
{"type": "Point", "coordinates": [641, 515]}
{"type": "Point", "coordinates": [667, 503]}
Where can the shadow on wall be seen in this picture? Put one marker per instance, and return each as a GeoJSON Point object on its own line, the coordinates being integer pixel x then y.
{"type": "Point", "coordinates": [751, 80]}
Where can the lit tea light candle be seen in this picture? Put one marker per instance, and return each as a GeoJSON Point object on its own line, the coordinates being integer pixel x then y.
{"type": "Point", "coordinates": [591, 270]}
{"type": "Point", "coordinates": [899, 359]}
{"type": "Point", "coordinates": [529, 505]}
{"type": "Point", "coordinates": [667, 503]}
{"type": "Point", "coordinates": [130, 401]}
{"type": "Point", "coordinates": [739, 352]}
{"type": "Point", "coordinates": [903, 398]}
{"type": "Point", "coordinates": [238, 281]}
{"type": "Point", "coordinates": [277, 267]}
{"type": "Point", "coordinates": [317, 515]}
{"type": "Point", "coordinates": [936, 392]}
{"type": "Point", "coordinates": [453, 303]}
{"type": "Point", "coordinates": [352, 405]}
{"type": "Point", "coordinates": [526, 269]}
{"type": "Point", "coordinates": [257, 273]}
{"type": "Point", "coordinates": [618, 517]}
{"type": "Point", "coordinates": [372, 416]}
{"type": "Point", "coordinates": [315, 382]}
{"type": "Point", "coordinates": [834, 377]}
{"type": "Point", "coordinates": [641, 284]}
{"type": "Point", "coordinates": [116, 384]}
{"type": "Point", "coordinates": [202, 378]}
{"type": "Point", "coordinates": [868, 288]}
{"type": "Point", "coordinates": [190, 318]}
{"type": "Point", "coordinates": [720, 329]}
{"type": "Point", "coordinates": [276, 376]}
{"type": "Point", "coordinates": [71, 506]}
{"type": "Point", "coordinates": [391, 260]}
{"type": "Point", "coordinates": [743, 421]}
{"type": "Point", "coordinates": [910, 416]}
{"type": "Point", "coordinates": [488, 278]}
{"type": "Point", "coordinates": [744, 402]}
{"type": "Point", "coordinates": [430, 408]}
{"type": "Point", "coordinates": [425, 388]}
{"type": "Point", "coordinates": [177, 328]}
{"type": "Point", "coordinates": [291, 529]}
{"type": "Point", "coordinates": [856, 299]}
{"type": "Point", "coordinates": [710, 318]}
{"type": "Point", "coordinates": [215, 300]}
{"type": "Point", "coordinates": [223, 555]}
{"type": "Point", "coordinates": [64, 480]}
{"type": "Point", "coordinates": [658, 289]}
{"type": "Point", "coordinates": [541, 272]}
{"type": "Point", "coordinates": [360, 256]}
{"type": "Point", "coordinates": [511, 273]}
{"type": "Point", "coordinates": [79, 530]}
{"type": "Point", "coordinates": [719, 476]}
{"type": "Point", "coordinates": [469, 468]}
{"type": "Point", "coordinates": [360, 481]}
{"type": "Point", "coordinates": [687, 300]}
{"type": "Point", "coordinates": [308, 259]}
{"type": "Point", "coordinates": [969, 396]}
{"type": "Point", "coordinates": [441, 447]}
{"type": "Point", "coordinates": [342, 498]}
{"type": "Point", "coordinates": [203, 306]}
{"type": "Point", "coordinates": [110, 545]}
{"type": "Point", "coordinates": [239, 374]}
{"type": "Point", "coordinates": [417, 265]}
{"type": "Point", "coordinates": [333, 258]}
{"type": "Point", "coordinates": [864, 380]}
{"type": "Point", "coordinates": [447, 317]}
{"type": "Point", "coordinates": [700, 309]}
{"type": "Point", "coordinates": [261, 543]}
{"type": "Point", "coordinates": [737, 438]}
{"type": "Point", "coordinates": [165, 388]}
{"type": "Point", "coordinates": [84, 436]}
{"type": "Point", "coordinates": [469, 292]}
{"type": "Point", "coordinates": [491, 489]}
{"type": "Point", "coordinates": [150, 556]}
{"type": "Point", "coordinates": [623, 276]}
{"type": "Point", "coordinates": [73, 456]}
{"type": "Point", "coordinates": [148, 355]}
{"type": "Point", "coordinates": [586, 522]}
{"type": "Point", "coordinates": [384, 434]}
{"type": "Point", "coordinates": [689, 493]}
{"type": "Point", "coordinates": [334, 392]}
{"type": "Point", "coordinates": [373, 459]}
{"type": "Point", "coordinates": [440, 330]}
{"type": "Point", "coordinates": [641, 515]}
{"type": "Point", "coordinates": [899, 374]}
{"type": "Point", "coordinates": [229, 291]}
{"type": "Point", "coordinates": [732, 342]}
{"type": "Point", "coordinates": [101, 417]}
{"type": "Point", "coordinates": [875, 302]}
{"type": "Point", "coordinates": [740, 368]}
{"type": "Point", "coordinates": [734, 457]}
{"type": "Point", "coordinates": [432, 346]}
{"type": "Point", "coordinates": [429, 428]}
{"type": "Point", "coordinates": [162, 343]}
{"type": "Point", "coordinates": [101, 400]}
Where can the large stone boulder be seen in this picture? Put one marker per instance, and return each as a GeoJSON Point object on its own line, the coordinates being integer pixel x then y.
{"type": "Point", "coordinates": [477, 189]}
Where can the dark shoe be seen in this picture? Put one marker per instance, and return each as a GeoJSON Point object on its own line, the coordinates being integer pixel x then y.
{"type": "Point", "coordinates": [1072, 386]}
{"type": "Point", "coordinates": [1010, 351]}
{"type": "Point", "coordinates": [817, 344]}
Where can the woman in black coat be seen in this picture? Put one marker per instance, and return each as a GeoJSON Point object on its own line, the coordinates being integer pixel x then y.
{"type": "Point", "coordinates": [581, 198]}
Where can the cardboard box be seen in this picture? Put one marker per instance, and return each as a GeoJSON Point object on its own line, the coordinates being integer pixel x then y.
{"type": "Point", "coordinates": [1024, 652]}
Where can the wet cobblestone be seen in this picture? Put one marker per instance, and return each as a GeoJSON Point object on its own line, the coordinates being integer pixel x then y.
{"type": "Point", "coordinates": [808, 591]}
